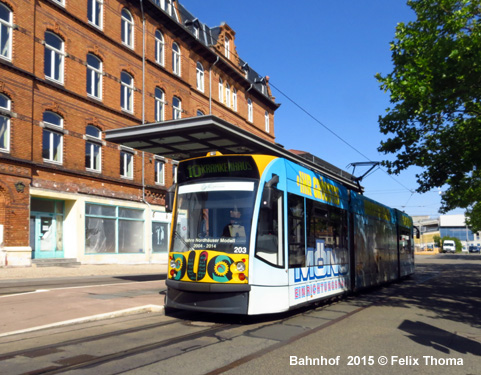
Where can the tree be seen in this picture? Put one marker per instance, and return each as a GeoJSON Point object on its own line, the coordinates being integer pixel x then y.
{"type": "Point", "coordinates": [435, 92]}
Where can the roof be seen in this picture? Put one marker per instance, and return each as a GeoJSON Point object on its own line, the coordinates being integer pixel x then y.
{"type": "Point", "coordinates": [208, 37]}
{"type": "Point", "coordinates": [196, 136]}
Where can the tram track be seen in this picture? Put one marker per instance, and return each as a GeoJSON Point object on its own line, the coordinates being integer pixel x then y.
{"type": "Point", "coordinates": [87, 361]}
{"type": "Point", "coordinates": [87, 339]}
{"type": "Point", "coordinates": [189, 336]}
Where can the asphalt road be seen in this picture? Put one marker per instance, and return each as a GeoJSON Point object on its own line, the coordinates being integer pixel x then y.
{"type": "Point", "coordinates": [429, 324]}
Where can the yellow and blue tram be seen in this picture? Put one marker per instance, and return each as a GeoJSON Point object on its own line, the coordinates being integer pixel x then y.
{"type": "Point", "coordinates": [257, 234]}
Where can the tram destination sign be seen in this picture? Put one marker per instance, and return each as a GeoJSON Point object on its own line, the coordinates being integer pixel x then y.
{"type": "Point", "coordinates": [216, 167]}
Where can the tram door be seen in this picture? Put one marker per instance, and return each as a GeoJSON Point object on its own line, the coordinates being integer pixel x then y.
{"type": "Point", "coordinates": [270, 243]}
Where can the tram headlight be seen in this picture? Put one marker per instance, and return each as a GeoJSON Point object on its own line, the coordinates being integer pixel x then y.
{"type": "Point", "coordinates": [173, 264]}
{"type": "Point", "coordinates": [241, 266]}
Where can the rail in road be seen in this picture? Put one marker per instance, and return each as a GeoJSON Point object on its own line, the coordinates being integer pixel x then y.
{"type": "Point", "coordinates": [435, 313]}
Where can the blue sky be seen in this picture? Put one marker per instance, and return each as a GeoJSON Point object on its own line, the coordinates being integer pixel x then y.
{"type": "Point", "coordinates": [323, 55]}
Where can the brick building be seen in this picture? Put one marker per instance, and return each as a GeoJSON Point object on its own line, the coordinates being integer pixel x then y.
{"type": "Point", "coordinates": [72, 71]}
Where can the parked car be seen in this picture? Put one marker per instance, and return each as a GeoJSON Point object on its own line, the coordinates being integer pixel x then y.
{"type": "Point", "coordinates": [474, 249]}
{"type": "Point", "coordinates": [449, 246]}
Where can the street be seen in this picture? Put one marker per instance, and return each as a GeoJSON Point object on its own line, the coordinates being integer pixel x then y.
{"type": "Point", "coordinates": [428, 324]}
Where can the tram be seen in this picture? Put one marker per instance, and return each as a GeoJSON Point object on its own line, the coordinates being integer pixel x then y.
{"type": "Point", "coordinates": [259, 234]}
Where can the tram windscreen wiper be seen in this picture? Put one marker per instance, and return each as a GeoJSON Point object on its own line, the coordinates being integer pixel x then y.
{"type": "Point", "coordinates": [177, 235]}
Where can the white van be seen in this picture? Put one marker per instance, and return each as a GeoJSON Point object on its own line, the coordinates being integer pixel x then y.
{"type": "Point", "coordinates": [449, 246]}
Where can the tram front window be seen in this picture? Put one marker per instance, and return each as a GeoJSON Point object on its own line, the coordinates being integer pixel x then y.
{"type": "Point", "coordinates": [214, 216]}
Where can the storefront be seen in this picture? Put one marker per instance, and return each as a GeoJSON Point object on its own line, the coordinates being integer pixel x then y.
{"type": "Point", "coordinates": [96, 230]}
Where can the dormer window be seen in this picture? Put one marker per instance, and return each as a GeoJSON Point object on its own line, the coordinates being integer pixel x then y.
{"type": "Point", "coordinates": [227, 47]}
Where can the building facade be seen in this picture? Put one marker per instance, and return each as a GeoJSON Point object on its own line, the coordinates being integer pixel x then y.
{"type": "Point", "coordinates": [72, 70]}
{"type": "Point", "coordinates": [444, 226]}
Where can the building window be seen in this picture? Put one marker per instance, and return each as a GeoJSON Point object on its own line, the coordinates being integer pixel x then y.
{"type": "Point", "coordinates": [127, 164]}
{"type": "Point", "coordinates": [200, 113]}
{"type": "Point", "coordinates": [175, 165]}
{"type": "Point", "coordinates": [176, 108]}
{"type": "Point", "coordinates": [4, 124]}
{"type": "Point", "coordinates": [95, 11]}
{"type": "Point", "coordinates": [227, 47]}
{"type": "Point", "coordinates": [113, 229]}
{"type": "Point", "coordinates": [159, 47]}
{"type": "Point", "coordinates": [60, 2]}
{"type": "Point", "coordinates": [200, 77]}
{"type": "Point", "coordinates": [54, 57]}
{"type": "Point", "coordinates": [127, 92]}
{"type": "Point", "coordinates": [167, 6]}
{"type": "Point", "coordinates": [127, 28]}
{"type": "Point", "coordinates": [6, 27]}
{"type": "Point", "coordinates": [159, 105]}
{"type": "Point", "coordinates": [94, 76]}
{"type": "Point", "coordinates": [250, 111]}
{"type": "Point", "coordinates": [266, 122]}
{"type": "Point", "coordinates": [93, 149]}
{"type": "Point", "coordinates": [176, 59]}
{"type": "Point", "coordinates": [221, 90]}
{"type": "Point", "coordinates": [196, 31]}
{"type": "Point", "coordinates": [227, 95]}
{"type": "Point", "coordinates": [234, 99]}
{"type": "Point", "coordinates": [159, 172]}
{"type": "Point", "coordinates": [52, 137]}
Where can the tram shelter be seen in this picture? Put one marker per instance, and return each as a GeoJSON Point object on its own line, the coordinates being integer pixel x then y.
{"type": "Point", "coordinates": [196, 136]}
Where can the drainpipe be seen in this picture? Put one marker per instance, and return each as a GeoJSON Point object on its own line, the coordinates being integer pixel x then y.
{"type": "Point", "coordinates": [143, 61]}
{"type": "Point", "coordinates": [210, 85]}
{"type": "Point", "coordinates": [144, 200]}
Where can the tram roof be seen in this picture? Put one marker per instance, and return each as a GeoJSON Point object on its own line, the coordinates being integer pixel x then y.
{"type": "Point", "coordinates": [196, 136]}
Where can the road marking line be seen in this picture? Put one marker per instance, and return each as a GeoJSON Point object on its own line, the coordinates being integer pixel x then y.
{"type": "Point", "coordinates": [93, 318]}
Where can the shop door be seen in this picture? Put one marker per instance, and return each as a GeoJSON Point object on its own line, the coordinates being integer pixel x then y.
{"type": "Point", "coordinates": [45, 235]}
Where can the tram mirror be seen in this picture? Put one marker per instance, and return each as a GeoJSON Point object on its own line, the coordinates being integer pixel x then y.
{"type": "Point", "coordinates": [269, 194]}
{"type": "Point", "coordinates": [169, 199]}
{"type": "Point", "coordinates": [418, 232]}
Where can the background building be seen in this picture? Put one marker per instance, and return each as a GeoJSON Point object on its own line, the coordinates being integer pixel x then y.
{"type": "Point", "coordinates": [73, 70]}
{"type": "Point", "coordinates": [444, 226]}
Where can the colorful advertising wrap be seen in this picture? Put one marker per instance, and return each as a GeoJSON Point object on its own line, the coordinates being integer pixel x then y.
{"type": "Point", "coordinates": [327, 273]}
{"type": "Point", "coordinates": [315, 186]}
{"type": "Point", "coordinates": [209, 267]}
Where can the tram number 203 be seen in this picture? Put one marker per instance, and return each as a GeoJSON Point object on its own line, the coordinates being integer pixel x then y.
{"type": "Point", "coordinates": [240, 250]}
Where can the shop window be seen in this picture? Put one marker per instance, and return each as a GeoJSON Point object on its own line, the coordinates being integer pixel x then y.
{"type": "Point", "coordinates": [113, 229]}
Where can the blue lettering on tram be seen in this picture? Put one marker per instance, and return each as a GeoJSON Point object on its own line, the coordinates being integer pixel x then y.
{"type": "Point", "coordinates": [322, 262]}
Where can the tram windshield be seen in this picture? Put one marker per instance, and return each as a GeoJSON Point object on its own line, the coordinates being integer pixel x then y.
{"type": "Point", "coordinates": [214, 216]}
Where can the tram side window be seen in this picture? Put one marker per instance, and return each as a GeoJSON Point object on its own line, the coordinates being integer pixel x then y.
{"type": "Point", "coordinates": [326, 234]}
{"type": "Point", "coordinates": [269, 241]}
{"type": "Point", "coordinates": [296, 231]}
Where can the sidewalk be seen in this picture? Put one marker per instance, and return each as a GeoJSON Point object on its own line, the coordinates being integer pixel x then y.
{"type": "Point", "coordinates": [11, 273]}
{"type": "Point", "coordinates": [37, 309]}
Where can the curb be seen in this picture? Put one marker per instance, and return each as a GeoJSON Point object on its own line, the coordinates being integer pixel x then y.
{"type": "Point", "coordinates": [93, 318]}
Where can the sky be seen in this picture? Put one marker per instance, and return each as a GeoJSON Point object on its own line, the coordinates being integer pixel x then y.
{"type": "Point", "coordinates": [322, 55]}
